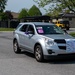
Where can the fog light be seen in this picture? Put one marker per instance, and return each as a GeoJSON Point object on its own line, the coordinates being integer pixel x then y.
{"type": "Point", "coordinates": [50, 51]}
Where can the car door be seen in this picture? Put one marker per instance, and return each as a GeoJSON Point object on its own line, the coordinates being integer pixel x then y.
{"type": "Point", "coordinates": [30, 37]}
{"type": "Point", "coordinates": [23, 36]}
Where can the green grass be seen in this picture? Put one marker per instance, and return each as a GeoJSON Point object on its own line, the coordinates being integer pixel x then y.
{"type": "Point", "coordinates": [72, 34]}
{"type": "Point", "coordinates": [6, 29]}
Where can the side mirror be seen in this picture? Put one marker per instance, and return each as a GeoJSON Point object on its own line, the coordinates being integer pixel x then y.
{"type": "Point", "coordinates": [29, 32]}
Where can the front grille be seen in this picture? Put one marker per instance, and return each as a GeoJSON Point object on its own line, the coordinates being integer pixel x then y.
{"type": "Point", "coordinates": [61, 41]}
{"type": "Point", "coordinates": [62, 47]}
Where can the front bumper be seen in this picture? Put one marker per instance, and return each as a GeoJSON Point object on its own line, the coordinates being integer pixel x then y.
{"type": "Point", "coordinates": [60, 56]}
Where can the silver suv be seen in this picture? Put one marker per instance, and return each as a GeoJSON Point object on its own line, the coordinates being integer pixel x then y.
{"type": "Point", "coordinates": [43, 40]}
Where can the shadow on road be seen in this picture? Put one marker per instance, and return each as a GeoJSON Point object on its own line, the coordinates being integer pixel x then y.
{"type": "Point", "coordinates": [61, 61]}
{"type": "Point", "coordinates": [52, 61]}
{"type": "Point", "coordinates": [27, 54]}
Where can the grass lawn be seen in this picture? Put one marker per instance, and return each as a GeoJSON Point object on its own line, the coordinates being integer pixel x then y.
{"type": "Point", "coordinates": [72, 34]}
{"type": "Point", "coordinates": [6, 29]}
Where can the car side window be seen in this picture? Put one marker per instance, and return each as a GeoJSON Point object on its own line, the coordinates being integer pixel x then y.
{"type": "Point", "coordinates": [24, 28]}
{"type": "Point", "coordinates": [31, 29]}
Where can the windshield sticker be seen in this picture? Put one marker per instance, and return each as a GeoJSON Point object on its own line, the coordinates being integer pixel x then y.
{"type": "Point", "coordinates": [40, 31]}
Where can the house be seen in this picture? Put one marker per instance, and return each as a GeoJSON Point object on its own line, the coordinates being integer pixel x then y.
{"type": "Point", "coordinates": [70, 17]}
{"type": "Point", "coordinates": [15, 15]}
{"type": "Point", "coordinates": [14, 21]}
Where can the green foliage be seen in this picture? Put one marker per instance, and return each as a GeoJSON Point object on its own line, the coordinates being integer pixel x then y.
{"type": "Point", "coordinates": [72, 34]}
{"type": "Point", "coordinates": [57, 5]}
{"type": "Point", "coordinates": [6, 29]}
{"type": "Point", "coordinates": [2, 5]}
{"type": "Point", "coordinates": [34, 11]}
{"type": "Point", "coordinates": [53, 13]}
{"type": "Point", "coordinates": [23, 13]}
{"type": "Point", "coordinates": [9, 15]}
{"type": "Point", "coordinates": [3, 16]}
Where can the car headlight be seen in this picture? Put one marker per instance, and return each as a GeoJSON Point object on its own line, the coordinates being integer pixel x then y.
{"type": "Point", "coordinates": [49, 42]}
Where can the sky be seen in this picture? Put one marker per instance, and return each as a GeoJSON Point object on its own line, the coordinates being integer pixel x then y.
{"type": "Point", "coordinates": [17, 5]}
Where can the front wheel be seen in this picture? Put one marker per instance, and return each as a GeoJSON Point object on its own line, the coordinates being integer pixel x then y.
{"type": "Point", "coordinates": [39, 53]}
{"type": "Point", "coordinates": [16, 47]}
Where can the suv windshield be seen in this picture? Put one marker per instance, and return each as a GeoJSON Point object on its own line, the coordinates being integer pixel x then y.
{"type": "Point", "coordinates": [48, 29]}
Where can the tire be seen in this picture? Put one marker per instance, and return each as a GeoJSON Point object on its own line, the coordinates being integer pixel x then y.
{"type": "Point", "coordinates": [16, 47]}
{"type": "Point", "coordinates": [39, 53]}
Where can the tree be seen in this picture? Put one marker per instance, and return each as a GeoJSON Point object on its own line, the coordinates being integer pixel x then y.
{"type": "Point", "coordinates": [3, 16]}
{"type": "Point", "coordinates": [9, 15]}
{"type": "Point", "coordinates": [23, 13]}
{"type": "Point", "coordinates": [34, 11]}
{"type": "Point", "coordinates": [58, 5]}
{"type": "Point", "coordinates": [6, 15]}
{"type": "Point", "coordinates": [2, 5]}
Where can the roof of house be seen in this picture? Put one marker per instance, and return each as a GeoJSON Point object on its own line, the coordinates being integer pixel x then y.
{"type": "Point", "coordinates": [69, 15]}
{"type": "Point", "coordinates": [15, 15]}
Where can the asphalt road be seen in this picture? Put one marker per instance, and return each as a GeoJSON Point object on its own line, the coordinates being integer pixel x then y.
{"type": "Point", "coordinates": [25, 63]}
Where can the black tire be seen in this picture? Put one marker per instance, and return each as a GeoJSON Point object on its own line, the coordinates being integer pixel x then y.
{"type": "Point", "coordinates": [16, 47]}
{"type": "Point", "coordinates": [39, 53]}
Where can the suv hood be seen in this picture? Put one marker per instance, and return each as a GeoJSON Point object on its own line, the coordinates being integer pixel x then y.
{"type": "Point", "coordinates": [59, 36]}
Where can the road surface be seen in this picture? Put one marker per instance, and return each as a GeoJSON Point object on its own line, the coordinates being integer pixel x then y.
{"type": "Point", "coordinates": [25, 63]}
